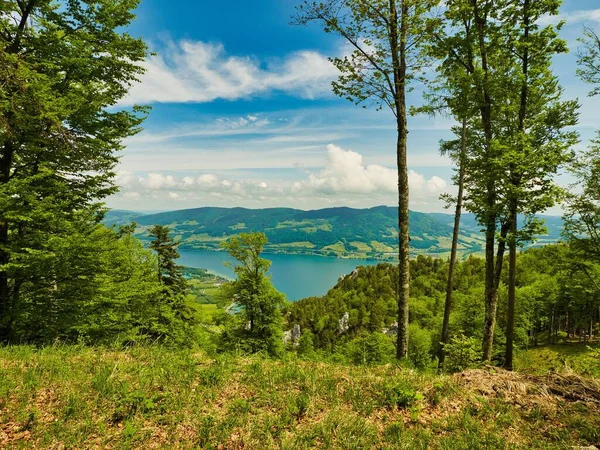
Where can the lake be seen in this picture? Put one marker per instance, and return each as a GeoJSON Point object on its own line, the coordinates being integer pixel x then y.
{"type": "Point", "coordinates": [297, 276]}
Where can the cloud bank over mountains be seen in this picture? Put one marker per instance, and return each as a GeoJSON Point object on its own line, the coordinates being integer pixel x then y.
{"type": "Point", "coordinates": [343, 180]}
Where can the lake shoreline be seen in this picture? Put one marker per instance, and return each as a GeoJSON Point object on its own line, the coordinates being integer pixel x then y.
{"type": "Point", "coordinates": [289, 273]}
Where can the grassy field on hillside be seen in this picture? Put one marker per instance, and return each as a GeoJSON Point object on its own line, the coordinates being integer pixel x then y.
{"type": "Point", "coordinates": [154, 397]}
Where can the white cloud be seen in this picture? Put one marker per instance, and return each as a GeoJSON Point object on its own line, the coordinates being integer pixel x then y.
{"type": "Point", "coordinates": [157, 181]}
{"type": "Point", "coordinates": [572, 17]}
{"type": "Point", "coordinates": [345, 179]}
{"type": "Point", "coordinates": [208, 181]}
{"type": "Point", "coordinates": [345, 172]}
{"type": "Point", "coordinates": [198, 72]}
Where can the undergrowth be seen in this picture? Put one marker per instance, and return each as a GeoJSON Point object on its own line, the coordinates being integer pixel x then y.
{"type": "Point", "coordinates": [155, 397]}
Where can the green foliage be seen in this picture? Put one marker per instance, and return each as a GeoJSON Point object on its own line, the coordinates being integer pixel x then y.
{"type": "Point", "coordinates": [372, 348]}
{"type": "Point", "coordinates": [306, 346]}
{"type": "Point", "coordinates": [419, 346]}
{"type": "Point", "coordinates": [63, 66]}
{"type": "Point", "coordinates": [589, 56]}
{"type": "Point", "coordinates": [259, 325]}
{"type": "Point", "coordinates": [330, 232]}
{"type": "Point", "coordinates": [400, 394]}
{"type": "Point", "coordinates": [462, 352]}
{"type": "Point", "coordinates": [169, 273]}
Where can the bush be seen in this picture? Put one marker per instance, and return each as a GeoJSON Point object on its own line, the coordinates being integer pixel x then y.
{"type": "Point", "coordinates": [399, 394]}
{"type": "Point", "coordinates": [461, 353]}
{"type": "Point", "coordinates": [374, 348]}
{"type": "Point", "coordinates": [305, 344]}
{"type": "Point", "coordinates": [419, 346]}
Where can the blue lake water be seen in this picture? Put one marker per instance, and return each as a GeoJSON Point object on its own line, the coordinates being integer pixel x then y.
{"type": "Point", "coordinates": [297, 276]}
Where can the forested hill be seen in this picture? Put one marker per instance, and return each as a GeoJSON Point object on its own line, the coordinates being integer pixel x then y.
{"type": "Point", "coordinates": [344, 232]}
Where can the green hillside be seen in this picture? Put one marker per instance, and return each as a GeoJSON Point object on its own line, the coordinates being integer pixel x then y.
{"type": "Point", "coordinates": [341, 232]}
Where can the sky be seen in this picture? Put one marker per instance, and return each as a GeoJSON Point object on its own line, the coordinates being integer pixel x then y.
{"type": "Point", "coordinates": [243, 115]}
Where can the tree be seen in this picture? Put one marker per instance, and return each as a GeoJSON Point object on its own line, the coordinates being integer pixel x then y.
{"type": "Point", "coordinates": [582, 219]}
{"type": "Point", "coordinates": [582, 224]}
{"type": "Point", "coordinates": [169, 273]}
{"type": "Point", "coordinates": [506, 58]}
{"type": "Point", "coordinates": [589, 60]}
{"type": "Point", "coordinates": [260, 327]}
{"type": "Point", "coordinates": [176, 312]}
{"type": "Point", "coordinates": [459, 158]}
{"type": "Point", "coordinates": [386, 37]}
{"type": "Point", "coordinates": [469, 44]}
{"type": "Point", "coordinates": [538, 144]}
{"type": "Point", "coordinates": [63, 65]}
{"type": "Point", "coordinates": [451, 94]}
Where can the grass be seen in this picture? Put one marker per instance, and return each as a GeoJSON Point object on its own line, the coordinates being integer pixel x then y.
{"type": "Point", "coordinates": [361, 247]}
{"type": "Point", "coordinates": [156, 397]}
{"type": "Point", "coordinates": [338, 247]}
{"type": "Point", "coordinates": [559, 357]}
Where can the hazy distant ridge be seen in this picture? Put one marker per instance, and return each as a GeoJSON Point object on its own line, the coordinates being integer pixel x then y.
{"type": "Point", "coordinates": [344, 232]}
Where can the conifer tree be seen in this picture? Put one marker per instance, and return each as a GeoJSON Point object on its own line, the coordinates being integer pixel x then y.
{"type": "Point", "coordinates": [169, 272]}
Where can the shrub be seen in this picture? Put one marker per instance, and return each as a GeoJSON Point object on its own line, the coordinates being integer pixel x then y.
{"type": "Point", "coordinates": [374, 348]}
{"type": "Point", "coordinates": [461, 353]}
{"type": "Point", "coordinates": [305, 344]}
{"type": "Point", "coordinates": [419, 346]}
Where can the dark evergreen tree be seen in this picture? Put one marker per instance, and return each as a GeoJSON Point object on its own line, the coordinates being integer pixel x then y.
{"type": "Point", "coordinates": [169, 272]}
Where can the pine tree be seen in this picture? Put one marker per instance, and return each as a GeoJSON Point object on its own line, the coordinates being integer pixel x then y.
{"type": "Point", "coordinates": [169, 273]}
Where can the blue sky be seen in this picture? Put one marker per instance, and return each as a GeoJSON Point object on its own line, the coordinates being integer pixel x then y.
{"type": "Point", "coordinates": [243, 115]}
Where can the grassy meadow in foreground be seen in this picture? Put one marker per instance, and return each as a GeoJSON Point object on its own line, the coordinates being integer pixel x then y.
{"type": "Point", "coordinates": [155, 397]}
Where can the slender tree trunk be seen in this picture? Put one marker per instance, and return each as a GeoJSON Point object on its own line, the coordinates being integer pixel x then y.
{"type": "Point", "coordinates": [5, 166]}
{"type": "Point", "coordinates": [512, 277]}
{"type": "Point", "coordinates": [398, 50]}
{"type": "Point", "coordinates": [491, 301]}
{"type": "Point", "coordinates": [514, 201]}
{"type": "Point", "coordinates": [453, 250]}
{"type": "Point", "coordinates": [491, 293]}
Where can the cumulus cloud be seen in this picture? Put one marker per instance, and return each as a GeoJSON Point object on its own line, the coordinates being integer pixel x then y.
{"type": "Point", "coordinates": [344, 179]}
{"type": "Point", "coordinates": [345, 172]}
{"type": "Point", "coordinates": [158, 181]}
{"type": "Point", "coordinates": [198, 72]}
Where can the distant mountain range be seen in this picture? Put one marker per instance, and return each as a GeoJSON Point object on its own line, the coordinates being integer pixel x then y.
{"type": "Point", "coordinates": [340, 232]}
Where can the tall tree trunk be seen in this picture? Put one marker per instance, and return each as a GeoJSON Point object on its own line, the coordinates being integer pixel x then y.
{"type": "Point", "coordinates": [6, 163]}
{"type": "Point", "coordinates": [512, 277]}
{"type": "Point", "coordinates": [491, 300]}
{"type": "Point", "coordinates": [514, 201]}
{"type": "Point", "coordinates": [398, 50]}
{"type": "Point", "coordinates": [492, 295]}
{"type": "Point", "coordinates": [453, 250]}
{"type": "Point", "coordinates": [5, 166]}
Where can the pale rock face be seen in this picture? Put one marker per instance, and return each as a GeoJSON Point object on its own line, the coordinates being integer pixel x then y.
{"type": "Point", "coordinates": [344, 323]}
{"type": "Point", "coordinates": [392, 330]}
{"type": "Point", "coordinates": [296, 333]}
{"type": "Point", "coordinates": [292, 336]}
